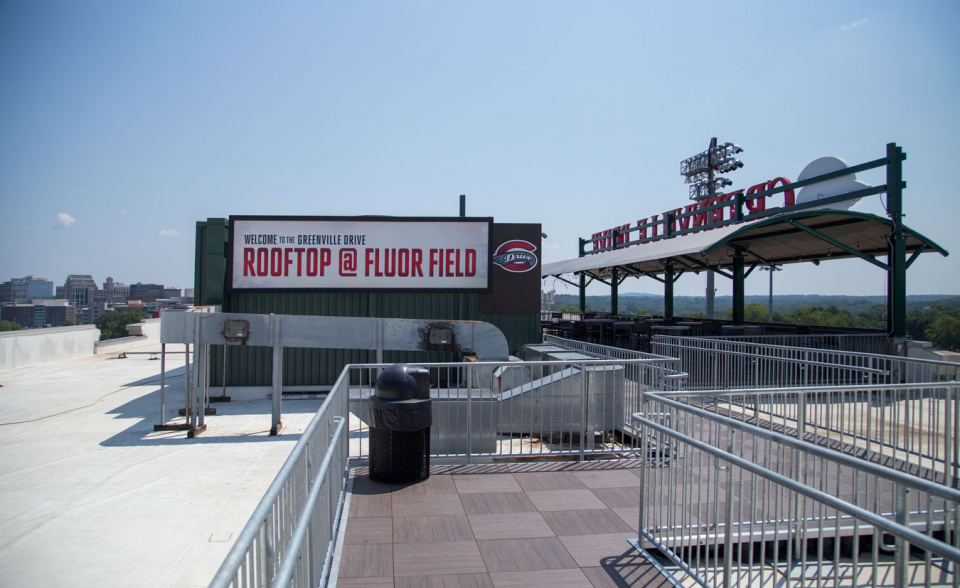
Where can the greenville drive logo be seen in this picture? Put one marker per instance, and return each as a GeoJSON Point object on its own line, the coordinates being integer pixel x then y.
{"type": "Point", "coordinates": [516, 256]}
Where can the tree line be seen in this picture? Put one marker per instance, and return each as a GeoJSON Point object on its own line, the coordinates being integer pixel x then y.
{"type": "Point", "coordinates": [936, 320]}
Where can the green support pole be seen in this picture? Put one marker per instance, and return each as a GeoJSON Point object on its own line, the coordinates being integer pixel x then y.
{"type": "Point", "coordinates": [614, 293]}
{"type": "Point", "coordinates": [583, 293]}
{"type": "Point", "coordinates": [668, 289]}
{"type": "Point", "coordinates": [897, 280]}
{"type": "Point", "coordinates": [583, 279]}
{"type": "Point", "coordinates": [738, 288]}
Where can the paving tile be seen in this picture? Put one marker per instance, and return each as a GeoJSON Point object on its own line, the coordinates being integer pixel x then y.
{"type": "Point", "coordinates": [596, 521]}
{"type": "Point", "coordinates": [370, 506]}
{"type": "Point", "coordinates": [432, 485]}
{"type": "Point", "coordinates": [486, 483]}
{"type": "Point", "coordinates": [378, 582]}
{"type": "Point", "coordinates": [368, 530]}
{"type": "Point", "coordinates": [524, 555]}
{"type": "Point", "coordinates": [363, 485]}
{"type": "Point", "coordinates": [431, 529]}
{"type": "Point", "coordinates": [366, 561]}
{"type": "Point", "coordinates": [564, 500]}
{"type": "Point", "coordinates": [619, 497]}
{"type": "Point", "coordinates": [541, 579]}
{"type": "Point", "coordinates": [516, 525]}
{"type": "Point", "coordinates": [436, 559]}
{"type": "Point", "coordinates": [630, 515]}
{"type": "Point", "coordinates": [627, 570]}
{"type": "Point", "coordinates": [537, 481]}
{"type": "Point", "coordinates": [496, 503]}
{"type": "Point", "coordinates": [426, 505]}
{"type": "Point", "coordinates": [608, 479]}
{"type": "Point", "coordinates": [591, 551]}
{"type": "Point", "coordinates": [445, 581]}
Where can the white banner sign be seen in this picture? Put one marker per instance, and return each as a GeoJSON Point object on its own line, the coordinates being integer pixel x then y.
{"type": "Point", "coordinates": [388, 254]}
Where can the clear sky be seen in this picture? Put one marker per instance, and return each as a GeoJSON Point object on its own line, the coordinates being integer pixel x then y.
{"type": "Point", "coordinates": [123, 123]}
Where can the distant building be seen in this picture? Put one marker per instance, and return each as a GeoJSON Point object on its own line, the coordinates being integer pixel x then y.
{"type": "Point", "coordinates": [172, 293]}
{"type": "Point", "coordinates": [27, 288]}
{"type": "Point", "coordinates": [146, 291]}
{"type": "Point", "coordinates": [112, 293]}
{"type": "Point", "coordinates": [37, 314]}
{"type": "Point", "coordinates": [78, 289]}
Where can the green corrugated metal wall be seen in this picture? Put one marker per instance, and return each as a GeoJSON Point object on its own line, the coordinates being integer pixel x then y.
{"type": "Point", "coordinates": [320, 367]}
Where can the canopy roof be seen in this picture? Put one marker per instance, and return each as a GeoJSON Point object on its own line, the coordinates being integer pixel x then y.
{"type": "Point", "coordinates": [809, 235]}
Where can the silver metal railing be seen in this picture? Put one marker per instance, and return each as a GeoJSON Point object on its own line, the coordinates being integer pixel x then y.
{"type": "Point", "coordinates": [610, 352]}
{"type": "Point", "coordinates": [733, 504]}
{"type": "Point", "coordinates": [721, 364]}
{"type": "Point", "coordinates": [289, 539]}
{"type": "Point", "coordinates": [909, 427]}
{"type": "Point", "coordinates": [877, 343]}
{"type": "Point", "coordinates": [483, 410]}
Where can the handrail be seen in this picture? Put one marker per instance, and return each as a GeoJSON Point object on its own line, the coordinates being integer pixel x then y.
{"type": "Point", "coordinates": [808, 389]}
{"type": "Point", "coordinates": [868, 467]}
{"type": "Point", "coordinates": [714, 340]}
{"type": "Point", "coordinates": [901, 531]}
{"type": "Point", "coordinates": [231, 564]}
{"type": "Point", "coordinates": [859, 368]}
{"type": "Point", "coordinates": [285, 573]}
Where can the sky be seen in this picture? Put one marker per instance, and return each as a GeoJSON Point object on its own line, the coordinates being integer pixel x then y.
{"type": "Point", "coordinates": [123, 123]}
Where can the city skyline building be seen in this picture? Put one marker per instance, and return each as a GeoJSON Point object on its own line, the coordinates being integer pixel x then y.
{"type": "Point", "coordinates": [37, 314]}
{"type": "Point", "coordinates": [26, 288]}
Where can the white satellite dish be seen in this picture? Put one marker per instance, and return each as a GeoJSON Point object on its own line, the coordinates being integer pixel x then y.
{"type": "Point", "coordinates": [828, 188]}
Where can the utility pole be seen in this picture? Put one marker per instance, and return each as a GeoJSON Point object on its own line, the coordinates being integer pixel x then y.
{"type": "Point", "coordinates": [700, 172]}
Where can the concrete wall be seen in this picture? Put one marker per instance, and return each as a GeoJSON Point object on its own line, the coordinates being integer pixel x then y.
{"type": "Point", "coordinates": [31, 346]}
{"type": "Point", "coordinates": [926, 350]}
{"type": "Point", "coordinates": [146, 331]}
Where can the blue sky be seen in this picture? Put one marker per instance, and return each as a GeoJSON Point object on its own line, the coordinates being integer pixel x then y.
{"type": "Point", "coordinates": [123, 123]}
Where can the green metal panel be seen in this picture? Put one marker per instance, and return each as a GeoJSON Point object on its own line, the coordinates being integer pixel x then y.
{"type": "Point", "coordinates": [252, 366]}
{"type": "Point", "coordinates": [210, 267]}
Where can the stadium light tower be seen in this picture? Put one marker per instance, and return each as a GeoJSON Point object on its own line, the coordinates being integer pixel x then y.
{"type": "Point", "coordinates": [701, 172]}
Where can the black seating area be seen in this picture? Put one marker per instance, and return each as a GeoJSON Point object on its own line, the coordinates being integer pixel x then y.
{"type": "Point", "coordinates": [623, 331]}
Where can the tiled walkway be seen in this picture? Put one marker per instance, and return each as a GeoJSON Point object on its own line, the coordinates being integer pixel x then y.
{"type": "Point", "coordinates": [554, 525]}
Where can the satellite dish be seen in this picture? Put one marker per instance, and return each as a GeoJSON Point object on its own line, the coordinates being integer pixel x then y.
{"type": "Point", "coordinates": [828, 188]}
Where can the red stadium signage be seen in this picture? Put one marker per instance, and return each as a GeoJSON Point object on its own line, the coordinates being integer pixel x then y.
{"type": "Point", "coordinates": [307, 253]}
{"type": "Point", "coordinates": [653, 227]}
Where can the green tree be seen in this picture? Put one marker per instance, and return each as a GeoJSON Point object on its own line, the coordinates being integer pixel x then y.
{"type": "Point", "coordinates": [9, 326]}
{"type": "Point", "coordinates": [945, 333]}
{"type": "Point", "coordinates": [112, 324]}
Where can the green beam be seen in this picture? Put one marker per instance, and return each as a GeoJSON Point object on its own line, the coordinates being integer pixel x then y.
{"type": "Point", "coordinates": [897, 283]}
{"type": "Point", "coordinates": [583, 293]}
{"type": "Point", "coordinates": [668, 289]}
{"type": "Point", "coordinates": [738, 287]}
{"type": "Point", "coordinates": [614, 293]}
{"type": "Point", "coordinates": [838, 244]}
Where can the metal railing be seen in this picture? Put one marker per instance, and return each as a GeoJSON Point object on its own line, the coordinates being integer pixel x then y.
{"type": "Point", "coordinates": [877, 343]}
{"type": "Point", "coordinates": [485, 410]}
{"type": "Point", "coordinates": [733, 504]}
{"type": "Point", "coordinates": [289, 539]}
{"type": "Point", "coordinates": [909, 427]}
{"type": "Point", "coordinates": [721, 364]}
{"type": "Point", "coordinates": [608, 352]}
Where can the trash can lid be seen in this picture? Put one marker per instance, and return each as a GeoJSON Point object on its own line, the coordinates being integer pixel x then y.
{"type": "Point", "coordinates": [402, 381]}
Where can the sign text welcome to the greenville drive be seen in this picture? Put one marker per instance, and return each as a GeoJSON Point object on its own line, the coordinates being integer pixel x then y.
{"type": "Point", "coordinates": [388, 254]}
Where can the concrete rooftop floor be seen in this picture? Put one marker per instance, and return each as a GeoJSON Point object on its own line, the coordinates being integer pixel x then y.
{"type": "Point", "coordinates": [90, 495]}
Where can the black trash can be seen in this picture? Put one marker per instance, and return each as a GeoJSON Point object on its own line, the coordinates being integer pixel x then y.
{"type": "Point", "coordinates": [400, 419]}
